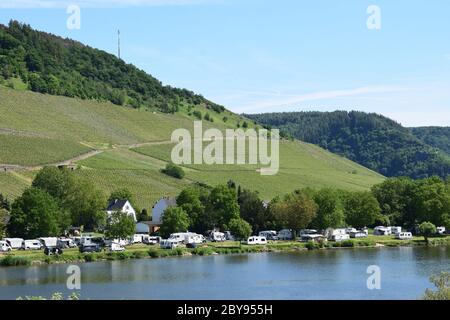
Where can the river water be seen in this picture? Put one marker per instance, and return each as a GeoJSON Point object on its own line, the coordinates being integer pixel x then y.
{"type": "Point", "coordinates": [324, 274]}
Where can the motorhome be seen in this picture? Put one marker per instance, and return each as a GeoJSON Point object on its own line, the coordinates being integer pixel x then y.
{"type": "Point", "coordinates": [216, 236]}
{"type": "Point", "coordinates": [14, 243]}
{"type": "Point", "coordinates": [395, 230]}
{"type": "Point", "coordinates": [339, 237]}
{"type": "Point", "coordinates": [269, 234]}
{"type": "Point", "coordinates": [179, 237]}
{"type": "Point", "coordinates": [194, 238]}
{"type": "Point", "coordinates": [4, 246]}
{"type": "Point", "coordinates": [404, 236]}
{"type": "Point", "coordinates": [285, 234]}
{"type": "Point", "coordinates": [168, 244]}
{"type": "Point", "coordinates": [256, 240]}
{"type": "Point", "coordinates": [382, 231]}
{"type": "Point", "coordinates": [31, 245]}
{"type": "Point", "coordinates": [137, 238]}
{"type": "Point", "coordinates": [116, 247]}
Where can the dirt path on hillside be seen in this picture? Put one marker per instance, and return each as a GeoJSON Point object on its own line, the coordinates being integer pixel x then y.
{"type": "Point", "coordinates": [72, 161]}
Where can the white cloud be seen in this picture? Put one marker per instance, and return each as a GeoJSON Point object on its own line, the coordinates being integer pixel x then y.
{"type": "Point", "coordinates": [287, 100]}
{"type": "Point", "coordinates": [55, 4]}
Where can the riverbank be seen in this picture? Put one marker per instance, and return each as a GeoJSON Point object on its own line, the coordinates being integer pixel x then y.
{"type": "Point", "coordinates": [26, 258]}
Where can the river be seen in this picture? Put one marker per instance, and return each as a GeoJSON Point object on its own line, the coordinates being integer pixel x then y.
{"type": "Point", "coordinates": [324, 274]}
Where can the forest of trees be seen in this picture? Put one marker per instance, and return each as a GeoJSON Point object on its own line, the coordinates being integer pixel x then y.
{"type": "Point", "coordinates": [372, 140]}
{"type": "Point", "coordinates": [57, 66]}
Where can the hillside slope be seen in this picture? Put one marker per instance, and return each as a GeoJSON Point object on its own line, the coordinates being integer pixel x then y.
{"type": "Point", "coordinates": [134, 145]}
{"type": "Point", "coordinates": [372, 140]}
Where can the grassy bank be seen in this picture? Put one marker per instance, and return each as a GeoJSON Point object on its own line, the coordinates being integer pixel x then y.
{"type": "Point", "coordinates": [26, 258]}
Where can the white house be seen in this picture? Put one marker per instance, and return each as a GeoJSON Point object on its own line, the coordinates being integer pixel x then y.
{"type": "Point", "coordinates": [160, 206]}
{"type": "Point", "coordinates": [121, 206]}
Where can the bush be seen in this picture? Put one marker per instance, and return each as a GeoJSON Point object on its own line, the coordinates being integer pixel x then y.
{"type": "Point", "coordinates": [12, 261]}
{"type": "Point", "coordinates": [311, 245]}
{"type": "Point", "coordinates": [347, 244]}
{"type": "Point", "coordinates": [174, 171]}
{"type": "Point", "coordinates": [203, 251]}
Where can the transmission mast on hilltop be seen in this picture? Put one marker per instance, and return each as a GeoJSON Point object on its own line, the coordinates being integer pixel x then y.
{"type": "Point", "coordinates": [118, 44]}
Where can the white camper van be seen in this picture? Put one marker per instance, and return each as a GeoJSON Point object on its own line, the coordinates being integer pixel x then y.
{"type": "Point", "coordinates": [168, 244]}
{"type": "Point", "coordinates": [256, 240]}
{"type": "Point", "coordinates": [14, 243]}
{"type": "Point", "coordinates": [4, 246]}
{"type": "Point", "coordinates": [31, 245]}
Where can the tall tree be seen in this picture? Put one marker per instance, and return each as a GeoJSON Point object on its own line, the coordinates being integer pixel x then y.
{"type": "Point", "coordinates": [120, 225]}
{"type": "Point", "coordinates": [253, 211]}
{"type": "Point", "coordinates": [190, 200]}
{"type": "Point", "coordinates": [36, 214]}
{"type": "Point", "coordinates": [174, 219]}
{"type": "Point", "coordinates": [330, 210]}
{"type": "Point", "coordinates": [4, 217]}
{"type": "Point", "coordinates": [361, 209]}
{"type": "Point", "coordinates": [86, 205]}
{"type": "Point", "coordinates": [222, 206]}
{"type": "Point", "coordinates": [296, 211]}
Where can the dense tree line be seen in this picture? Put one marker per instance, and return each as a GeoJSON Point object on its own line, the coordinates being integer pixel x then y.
{"type": "Point", "coordinates": [397, 201]}
{"type": "Point", "coordinates": [57, 66]}
{"type": "Point", "coordinates": [438, 137]}
{"type": "Point", "coordinates": [372, 140]}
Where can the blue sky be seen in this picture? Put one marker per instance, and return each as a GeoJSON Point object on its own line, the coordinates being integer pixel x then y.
{"type": "Point", "coordinates": [268, 56]}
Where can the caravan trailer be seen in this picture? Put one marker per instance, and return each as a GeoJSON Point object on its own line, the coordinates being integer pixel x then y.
{"type": "Point", "coordinates": [256, 240]}
{"type": "Point", "coordinates": [382, 231]}
{"type": "Point", "coordinates": [404, 236]}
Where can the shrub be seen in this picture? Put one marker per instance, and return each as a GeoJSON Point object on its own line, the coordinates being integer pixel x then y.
{"type": "Point", "coordinates": [173, 171]}
{"type": "Point", "coordinates": [311, 245]}
{"type": "Point", "coordinates": [347, 244]}
{"type": "Point", "coordinates": [12, 261]}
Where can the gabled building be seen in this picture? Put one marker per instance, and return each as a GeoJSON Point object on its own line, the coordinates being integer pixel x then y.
{"type": "Point", "coordinates": [124, 206]}
{"type": "Point", "coordinates": [160, 206]}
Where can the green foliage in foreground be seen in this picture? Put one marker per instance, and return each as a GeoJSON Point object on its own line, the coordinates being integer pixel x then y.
{"type": "Point", "coordinates": [442, 284]}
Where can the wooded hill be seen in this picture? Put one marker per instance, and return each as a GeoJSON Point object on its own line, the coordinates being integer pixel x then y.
{"type": "Point", "coordinates": [372, 140]}
{"type": "Point", "coordinates": [50, 64]}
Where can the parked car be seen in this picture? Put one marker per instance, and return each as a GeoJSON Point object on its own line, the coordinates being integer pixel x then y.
{"type": "Point", "coordinates": [14, 243]}
{"type": "Point", "coordinates": [4, 246]}
{"type": "Point", "coordinates": [31, 245]}
{"type": "Point", "coordinates": [254, 240]}
{"type": "Point", "coordinates": [404, 236]}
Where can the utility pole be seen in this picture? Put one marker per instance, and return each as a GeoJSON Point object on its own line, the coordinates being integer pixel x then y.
{"type": "Point", "coordinates": [118, 44]}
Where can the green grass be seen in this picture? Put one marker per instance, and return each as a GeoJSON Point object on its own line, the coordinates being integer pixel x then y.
{"type": "Point", "coordinates": [21, 150]}
{"type": "Point", "coordinates": [11, 185]}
